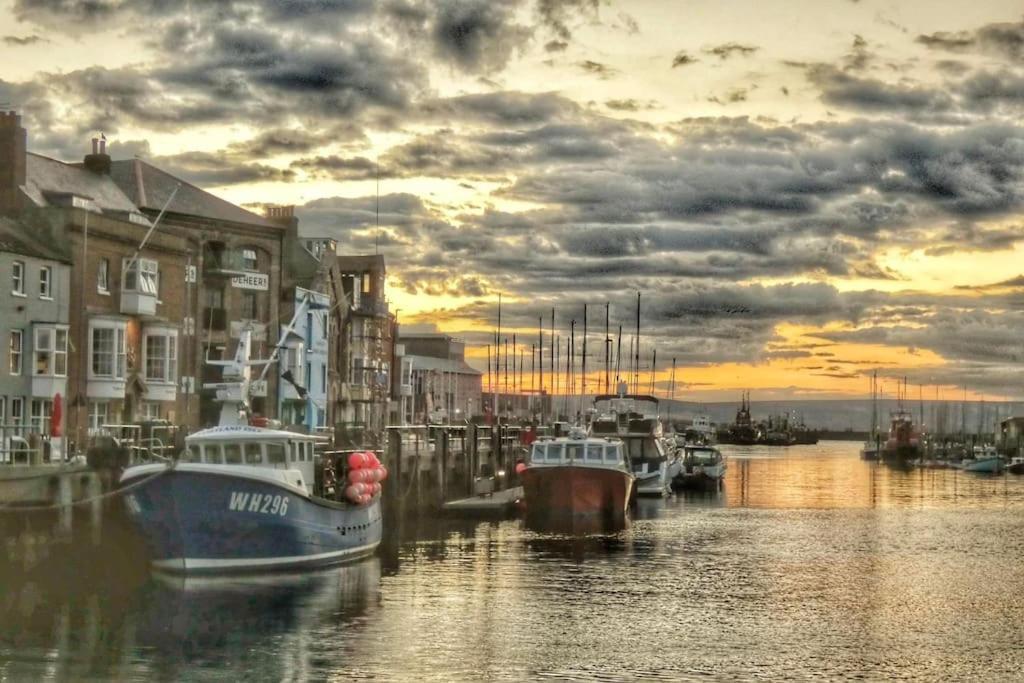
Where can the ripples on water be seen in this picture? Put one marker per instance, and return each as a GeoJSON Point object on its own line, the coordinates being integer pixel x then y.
{"type": "Point", "coordinates": [808, 564]}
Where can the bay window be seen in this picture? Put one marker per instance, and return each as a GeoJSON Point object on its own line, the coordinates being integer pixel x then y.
{"type": "Point", "coordinates": [141, 276]}
{"type": "Point", "coordinates": [51, 351]}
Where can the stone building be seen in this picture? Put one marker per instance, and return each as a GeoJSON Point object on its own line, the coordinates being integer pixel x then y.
{"type": "Point", "coordinates": [34, 332]}
{"type": "Point", "coordinates": [444, 387]}
{"type": "Point", "coordinates": [366, 347]}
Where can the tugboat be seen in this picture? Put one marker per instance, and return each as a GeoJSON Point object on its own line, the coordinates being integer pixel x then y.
{"type": "Point", "coordinates": [742, 432]}
{"type": "Point", "coordinates": [903, 447]}
{"type": "Point", "coordinates": [576, 482]}
{"type": "Point", "coordinates": [634, 419]}
{"type": "Point", "coordinates": [703, 466]}
{"type": "Point", "coordinates": [247, 497]}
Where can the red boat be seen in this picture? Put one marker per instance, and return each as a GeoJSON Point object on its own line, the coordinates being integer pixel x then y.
{"type": "Point", "coordinates": [577, 482]}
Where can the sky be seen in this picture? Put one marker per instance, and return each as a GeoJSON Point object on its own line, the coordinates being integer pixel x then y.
{"type": "Point", "coordinates": [803, 192]}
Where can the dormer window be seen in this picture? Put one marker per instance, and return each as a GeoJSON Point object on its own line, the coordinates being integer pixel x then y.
{"type": "Point", "coordinates": [249, 261]}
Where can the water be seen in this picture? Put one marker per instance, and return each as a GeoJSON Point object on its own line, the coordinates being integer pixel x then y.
{"type": "Point", "coordinates": [809, 564]}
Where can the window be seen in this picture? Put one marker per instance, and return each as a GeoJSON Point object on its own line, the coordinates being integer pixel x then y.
{"type": "Point", "coordinates": [213, 297]}
{"type": "Point", "coordinates": [18, 278]}
{"type": "Point", "coordinates": [249, 261]}
{"type": "Point", "coordinates": [45, 282]}
{"type": "Point", "coordinates": [250, 306]}
{"type": "Point", "coordinates": [103, 276]}
{"type": "Point", "coordinates": [14, 352]}
{"type": "Point", "coordinates": [99, 415]}
{"type": "Point", "coordinates": [141, 276]}
{"type": "Point", "coordinates": [232, 454]}
{"type": "Point", "coordinates": [366, 283]}
{"type": "Point", "coordinates": [108, 352]}
{"type": "Point", "coordinates": [574, 451]}
{"type": "Point", "coordinates": [253, 454]}
{"type": "Point", "coordinates": [275, 454]}
{"type": "Point", "coordinates": [51, 351]}
{"type": "Point", "coordinates": [17, 410]}
{"type": "Point", "coordinates": [161, 356]}
{"type": "Point", "coordinates": [594, 451]}
{"type": "Point", "coordinates": [42, 410]}
{"type": "Point", "coordinates": [150, 410]}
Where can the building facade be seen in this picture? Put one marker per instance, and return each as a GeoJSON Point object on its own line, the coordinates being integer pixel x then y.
{"type": "Point", "coordinates": [444, 387]}
{"type": "Point", "coordinates": [34, 328]}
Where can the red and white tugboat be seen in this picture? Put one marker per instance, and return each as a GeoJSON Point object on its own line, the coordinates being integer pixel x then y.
{"type": "Point", "coordinates": [577, 482]}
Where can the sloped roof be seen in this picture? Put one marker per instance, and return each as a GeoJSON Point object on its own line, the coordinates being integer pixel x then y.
{"type": "Point", "coordinates": [443, 365]}
{"type": "Point", "coordinates": [150, 187]}
{"type": "Point", "coordinates": [44, 176]}
{"type": "Point", "coordinates": [15, 239]}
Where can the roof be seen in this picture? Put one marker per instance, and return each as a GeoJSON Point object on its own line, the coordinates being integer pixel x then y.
{"type": "Point", "coordinates": [14, 240]}
{"type": "Point", "coordinates": [150, 188]}
{"type": "Point", "coordinates": [442, 364]}
{"type": "Point", "coordinates": [361, 262]}
{"type": "Point", "coordinates": [46, 177]}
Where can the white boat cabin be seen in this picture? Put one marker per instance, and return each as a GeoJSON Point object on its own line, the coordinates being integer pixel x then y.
{"type": "Point", "coordinates": [288, 453]}
{"type": "Point", "coordinates": [579, 452]}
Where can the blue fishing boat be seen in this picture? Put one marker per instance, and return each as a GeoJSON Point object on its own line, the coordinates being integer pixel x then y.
{"type": "Point", "coordinates": [247, 497]}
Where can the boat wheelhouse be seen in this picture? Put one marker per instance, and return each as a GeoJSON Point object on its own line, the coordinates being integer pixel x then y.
{"type": "Point", "coordinates": [634, 420]}
{"type": "Point", "coordinates": [577, 480]}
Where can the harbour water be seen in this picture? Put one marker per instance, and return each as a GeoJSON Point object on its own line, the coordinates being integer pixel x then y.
{"type": "Point", "coordinates": [809, 564]}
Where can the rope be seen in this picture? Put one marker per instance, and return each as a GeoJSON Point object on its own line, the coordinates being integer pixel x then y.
{"type": "Point", "coordinates": [12, 507]}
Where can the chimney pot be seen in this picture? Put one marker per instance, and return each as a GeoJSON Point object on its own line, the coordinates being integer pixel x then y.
{"type": "Point", "coordinates": [95, 145]}
{"type": "Point", "coordinates": [103, 146]}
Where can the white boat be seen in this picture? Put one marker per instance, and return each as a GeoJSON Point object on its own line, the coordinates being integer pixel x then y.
{"type": "Point", "coordinates": [986, 459]}
{"type": "Point", "coordinates": [701, 466]}
{"type": "Point", "coordinates": [700, 431]}
{"type": "Point", "coordinates": [634, 419]}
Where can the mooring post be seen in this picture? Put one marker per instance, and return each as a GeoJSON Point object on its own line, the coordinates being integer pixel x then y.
{"type": "Point", "coordinates": [64, 500]}
{"type": "Point", "coordinates": [394, 462]}
{"type": "Point", "coordinates": [472, 458]}
{"type": "Point", "coordinates": [441, 461]}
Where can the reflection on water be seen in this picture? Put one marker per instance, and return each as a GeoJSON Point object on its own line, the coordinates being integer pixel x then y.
{"type": "Point", "coordinates": [809, 563]}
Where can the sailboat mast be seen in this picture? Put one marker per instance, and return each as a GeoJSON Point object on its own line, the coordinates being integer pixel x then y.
{"type": "Point", "coordinates": [637, 350]}
{"type": "Point", "coordinates": [607, 346]}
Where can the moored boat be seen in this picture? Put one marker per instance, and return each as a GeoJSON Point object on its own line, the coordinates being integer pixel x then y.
{"type": "Point", "coordinates": [701, 466]}
{"type": "Point", "coordinates": [1016, 465]}
{"type": "Point", "coordinates": [986, 460]}
{"type": "Point", "coordinates": [576, 481]}
{"type": "Point", "coordinates": [634, 420]}
{"type": "Point", "coordinates": [248, 497]}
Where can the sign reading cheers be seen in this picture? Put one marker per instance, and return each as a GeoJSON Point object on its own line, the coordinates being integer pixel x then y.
{"type": "Point", "coordinates": [260, 281]}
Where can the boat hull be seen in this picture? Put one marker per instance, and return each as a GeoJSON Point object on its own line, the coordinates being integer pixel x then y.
{"type": "Point", "coordinates": [199, 521]}
{"type": "Point", "coordinates": [1015, 468]}
{"type": "Point", "coordinates": [992, 465]}
{"type": "Point", "coordinates": [700, 476]}
{"type": "Point", "coordinates": [568, 494]}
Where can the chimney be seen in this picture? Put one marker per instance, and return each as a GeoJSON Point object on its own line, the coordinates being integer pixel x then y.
{"type": "Point", "coordinates": [99, 161]}
{"type": "Point", "coordinates": [13, 145]}
{"type": "Point", "coordinates": [284, 216]}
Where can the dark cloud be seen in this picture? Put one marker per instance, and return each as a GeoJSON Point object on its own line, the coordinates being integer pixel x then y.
{"type": "Point", "coordinates": [557, 15]}
{"type": "Point", "coordinates": [727, 50]}
{"type": "Point", "coordinates": [203, 168]}
{"type": "Point", "coordinates": [556, 46]}
{"type": "Point", "coordinates": [1005, 40]}
{"type": "Point", "coordinates": [630, 104]}
{"type": "Point", "coordinates": [682, 58]}
{"type": "Point", "coordinates": [478, 35]}
{"type": "Point", "coordinates": [840, 89]}
{"type": "Point", "coordinates": [19, 41]}
{"type": "Point", "coordinates": [602, 71]}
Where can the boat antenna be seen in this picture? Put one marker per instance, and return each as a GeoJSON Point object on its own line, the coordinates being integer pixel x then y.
{"type": "Point", "coordinates": [618, 359]}
{"type": "Point", "coordinates": [583, 374]}
{"type": "Point", "coordinates": [540, 363]}
{"type": "Point", "coordinates": [671, 391]}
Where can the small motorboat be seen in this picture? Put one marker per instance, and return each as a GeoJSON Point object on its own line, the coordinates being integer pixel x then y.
{"type": "Point", "coordinates": [986, 460]}
{"type": "Point", "coordinates": [1016, 465]}
{"type": "Point", "coordinates": [701, 466]}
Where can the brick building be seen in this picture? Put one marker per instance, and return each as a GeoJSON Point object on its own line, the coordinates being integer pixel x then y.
{"type": "Point", "coordinates": [444, 387]}
{"type": "Point", "coordinates": [234, 265]}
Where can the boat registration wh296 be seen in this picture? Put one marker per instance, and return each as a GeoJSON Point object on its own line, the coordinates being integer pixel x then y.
{"type": "Point", "coordinates": [259, 502]}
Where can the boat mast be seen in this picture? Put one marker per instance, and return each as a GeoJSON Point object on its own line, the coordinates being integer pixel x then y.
{"type": "Point", "coordinates": [607, 346]}
{"type": "Point", "coordinates": [583, 377]}
{"type": "Point", "coordinates": [540, 363]}
{"type": "Point", "coordinates": [637, 350]}
{"type": "Point", "coordinates": [671, 391]}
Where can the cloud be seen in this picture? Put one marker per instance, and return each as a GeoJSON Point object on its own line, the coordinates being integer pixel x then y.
{"type": "Point", "coordinates": [682, 58]}
{"type": "Point", "coordinates": [203, 168]}
{"type": "Point", "coordinates": [1005, 40]}
{"type": "Point", "coordinates": [729, 50]}
{"type": "Point", "coordinates": [19, 41]}
{"type": "Point", "coordinates": [602, 71]}
{"type": "Point", "coordinates": [478, 35]}
{"type": "Point", "coordinates": [558, 14]}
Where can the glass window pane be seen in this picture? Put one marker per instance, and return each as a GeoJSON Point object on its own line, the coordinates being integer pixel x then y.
{"type": "Point", "coordinates": [232, 454]}
{"type": "Point", "coordinates": [253, 454]}
{"type": "Point", "coordinates": [275, 453]}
